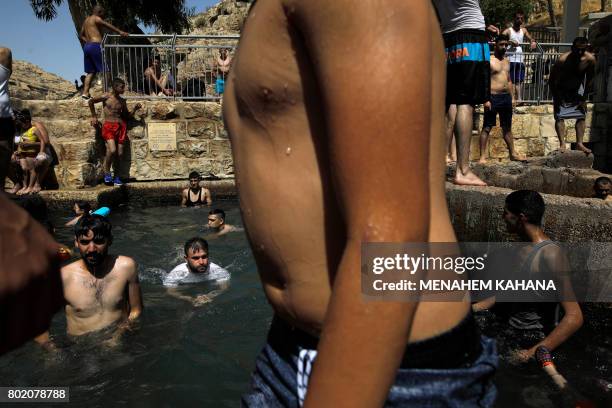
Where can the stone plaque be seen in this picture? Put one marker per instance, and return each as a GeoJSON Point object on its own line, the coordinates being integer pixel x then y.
{"type": "Point", "coordinates": [162, 136]}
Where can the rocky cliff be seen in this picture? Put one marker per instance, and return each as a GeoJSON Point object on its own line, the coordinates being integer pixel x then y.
{"type": "Point", "coordinates": [29, 81]}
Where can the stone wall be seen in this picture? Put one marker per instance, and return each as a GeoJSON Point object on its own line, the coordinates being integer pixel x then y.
{"type": "Point", "coordinates": [202, 143]}
{"type": "Point", "coordinates": [534, 132]}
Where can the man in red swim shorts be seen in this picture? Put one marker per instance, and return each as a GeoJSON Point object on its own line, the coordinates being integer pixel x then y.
{"type": "Point", "coordinates": [114, 129]}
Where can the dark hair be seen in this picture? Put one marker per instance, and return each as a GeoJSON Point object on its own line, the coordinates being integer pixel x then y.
{"type": "Point", "coordinates": [23, 115]}
{"type": "Point", "coordinates": [527, 202]}
{"type": "Point", "coordinates": [502, 37]}
{"type": "Point", "coordinates": [84, 205]}
{"type": "Point", "coordinates": [194, 174]}
{"type": "Point", "coordinates": [37, 208]}
{"type": "Point", "coordinates": [118, 81]}
{"type": "Point", "coordinates": [219, 212]}
{"type": "Point", "coordinates": [100, 226]}
{"type": "Point", "coordinates": [519, 12]}
{"type": "Point", "coordinates": [603, 180]}
{"type": "Point", "coordinates": [195, 244]}
{"type": "Point", "coordinates": [580, 41]}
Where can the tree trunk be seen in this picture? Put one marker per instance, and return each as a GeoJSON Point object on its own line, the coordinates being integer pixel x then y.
{"type": "Point", "coordinates": [551, 13]}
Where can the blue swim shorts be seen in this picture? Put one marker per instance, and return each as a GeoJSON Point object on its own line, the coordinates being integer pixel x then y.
{"type": "Point", "coordinates": [92, 53]}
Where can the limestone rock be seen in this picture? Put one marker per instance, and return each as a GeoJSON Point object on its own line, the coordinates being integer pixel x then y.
{"type": "Point", "coordinates": [29, 81]}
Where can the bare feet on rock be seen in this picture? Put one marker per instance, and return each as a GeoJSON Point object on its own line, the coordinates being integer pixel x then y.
{"type": "Point", "coordinates": [517, 157]}
{"type": "Point", "coordinates": [468, 179]}
{"type": "Point", "coordinates": [583, 148]}
{"type": "Point", "coordinates": [15, 189]}
{"type": "Point", "coordinates": [22, 191]}
{"type": "Point", "coordinates": [35, 189]}
{"type": "Point", "coordinates": [450, 159]}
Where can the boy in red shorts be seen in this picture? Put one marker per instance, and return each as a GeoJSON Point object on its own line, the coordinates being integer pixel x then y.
{"type": "Point", "coordinates": [114, 129]}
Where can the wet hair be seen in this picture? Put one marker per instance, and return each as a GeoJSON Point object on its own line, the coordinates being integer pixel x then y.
{"type": "Point", "coordinates": [527, 202]}
{"type": "Point", "coordinates": [195, 244]}
{"type": "Point", "coordinates": [519, 12]}
{"type": "Point", "coordinates": [194, 174]}
{"type": "Point", "coordinates": [602, 180]}
{"type": "Point", "coordinates": [36, 207]}
{"type": "Point", "coordinates": [97, 9]}
{"type": "Point", "coordinates": [84, 206]}
{"type": "Point", "coordinates": [579, 41]}
{"type": "Point", "coordinates": [219, 212]}
{"type": "Point", "coordinates": [118, 81]}
{"type": "Point", "coordinates": [99, 225]}
{"type": "Point", "coordinates": [502, 37]}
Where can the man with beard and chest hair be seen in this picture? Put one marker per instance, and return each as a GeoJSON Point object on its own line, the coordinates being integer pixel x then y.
{"type": "Point", "coordinates": [100, 289]}
{"type": "Point", "coordinates": [351, 160]}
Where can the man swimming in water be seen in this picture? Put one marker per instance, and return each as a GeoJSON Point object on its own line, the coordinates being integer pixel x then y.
{"type": "Point", "coordinates": [602, 188]}
{"type": "Point", "coordinates": [195, 195]}
{"type": "Point", "coordinates": [534, 323]}
{"type": "Point", "coordinates": [197, 268]}
{"type": "Point", "coordinates": [100, 289]}
{"type": "Point", "coordinates": [216, 223]}
{"type": "Point", "coordinates": [302, 113]}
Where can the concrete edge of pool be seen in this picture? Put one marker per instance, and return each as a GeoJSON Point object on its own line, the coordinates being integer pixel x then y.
{"type": "Point", "coordinates": [475, 211]}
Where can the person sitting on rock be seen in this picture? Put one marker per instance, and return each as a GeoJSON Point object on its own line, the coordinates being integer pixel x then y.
{"type": "Point", "coordinates": [156, 83]}
{"type": "Point", "coordinates": [602, 188]}
{"type": "Point", "coordinates": [195, 195]}
{"type": "Point", "coordinates": [33, 153]}
{"type": "Point", "coordinates": [114, 129]}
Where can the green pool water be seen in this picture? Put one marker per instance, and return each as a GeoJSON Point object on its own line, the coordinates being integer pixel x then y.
{"type": "Point", "coordinates": [181, 356]}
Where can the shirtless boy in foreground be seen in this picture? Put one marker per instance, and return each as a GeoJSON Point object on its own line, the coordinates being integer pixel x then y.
{"type": "Point", "coordinates": [303, 112]}
{"type": "Point", "coordinates": [100, 289]}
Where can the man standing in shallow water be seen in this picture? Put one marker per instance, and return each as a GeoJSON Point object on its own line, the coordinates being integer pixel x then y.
{"type": "Point", "coordinates": [302, 112]}
{"type": "Point", "coordinates": [100, 289]}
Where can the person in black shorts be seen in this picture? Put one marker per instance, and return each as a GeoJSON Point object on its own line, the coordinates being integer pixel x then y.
{"type": "Point", "coordinates": [500, 101]}
{"type": "Point", "coordinates": [467, 75]}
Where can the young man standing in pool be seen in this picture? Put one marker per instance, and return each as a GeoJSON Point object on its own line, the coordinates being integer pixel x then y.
{"type": "Point", "coordinates": [535, 322]}
{"type": "Point", "coordinates": [302, 129]}
{"type": "Point", "coordinates": [216, 223]}
{"type": "Point", "coordinates": [100, 289]}
{"type": "Point", "coordinates": [114, 129]}
{"type": "Point", "coordinates": [197, 268]}
{"type": "Point", "coordinates": [195, 195]}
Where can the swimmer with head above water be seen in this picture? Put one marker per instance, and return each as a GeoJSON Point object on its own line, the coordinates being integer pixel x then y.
{"type": "Point", "coordinates": [197, 268]}
{"type": "Point", "coordinates": [216, 223]}
{"type": "Point", "coordinates": [100, 289]}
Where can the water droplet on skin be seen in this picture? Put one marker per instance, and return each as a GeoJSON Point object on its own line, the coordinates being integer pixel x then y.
{"type": "Point", "coordinates": [288, 151]}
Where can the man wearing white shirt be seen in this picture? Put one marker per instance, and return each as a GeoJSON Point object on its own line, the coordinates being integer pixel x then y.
{"type": "Point", "coordinates": [198, 268]}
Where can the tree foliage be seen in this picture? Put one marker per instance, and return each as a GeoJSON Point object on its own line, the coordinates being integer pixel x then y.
{"type": "Point", "coordinates": [168, 16]}
{"type": "Point", "coordinates": [501, 12]}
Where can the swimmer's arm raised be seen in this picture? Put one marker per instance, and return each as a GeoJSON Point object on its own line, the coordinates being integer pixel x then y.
{"type": "Point", "coordinates": [382, 187]}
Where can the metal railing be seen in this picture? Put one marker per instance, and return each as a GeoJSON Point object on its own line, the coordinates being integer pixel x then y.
{"type": "Point", "coordinates": [187, 67]}
{"type": "Point", "coordinates": [190, 67]}
{"type": "Point", "coordinates": [530, 71]}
